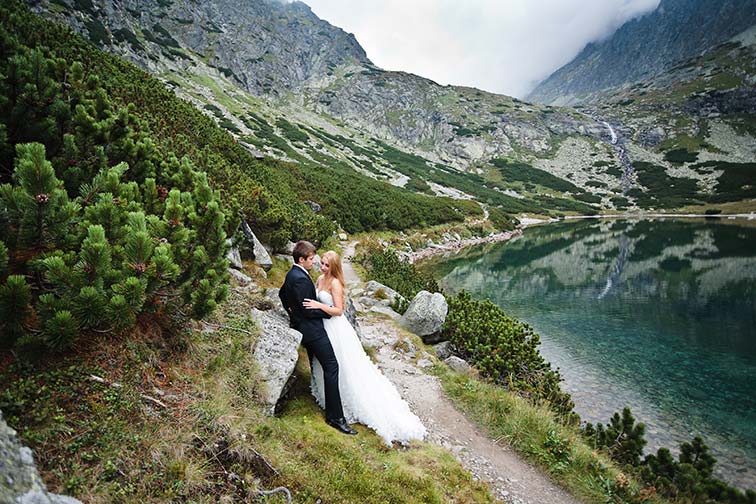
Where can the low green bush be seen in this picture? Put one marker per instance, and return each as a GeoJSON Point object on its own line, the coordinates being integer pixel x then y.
{"type": "Point", "coordinates": [505, 351]}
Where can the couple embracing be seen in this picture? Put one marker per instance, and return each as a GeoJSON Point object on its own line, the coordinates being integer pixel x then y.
{"type": "Point", "coordinates": [344, 379]}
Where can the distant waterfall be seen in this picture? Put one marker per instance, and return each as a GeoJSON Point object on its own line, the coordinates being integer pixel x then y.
{"type": "Point", "coordinates": [626, 181]}
{"type": "Point", "coordinates": [611, 131]}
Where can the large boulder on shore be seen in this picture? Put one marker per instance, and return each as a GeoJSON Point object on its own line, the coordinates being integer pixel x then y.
{"type": "Point", "coordinates": [20, 481]}
{"type": "Point", "coordinates": [275, 355]}
{"type": "Point", "coordinates": [426, 315]}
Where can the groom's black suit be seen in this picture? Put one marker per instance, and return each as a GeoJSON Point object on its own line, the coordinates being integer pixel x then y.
{"type": "Point", "coordinates": [296, 288]}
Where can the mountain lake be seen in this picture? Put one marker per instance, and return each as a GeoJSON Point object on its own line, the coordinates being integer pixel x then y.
{"type": "Point", "coordinates": [657, 314]}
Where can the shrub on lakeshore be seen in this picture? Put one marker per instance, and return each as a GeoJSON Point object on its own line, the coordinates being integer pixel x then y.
{"type": "Point", "coordinates": [688, 479]}
{"type": "Point", "coordinates": [505, 351]}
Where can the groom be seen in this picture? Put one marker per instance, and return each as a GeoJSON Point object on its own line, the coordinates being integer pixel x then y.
{"type": "Point", "coordinates": [296, 288]}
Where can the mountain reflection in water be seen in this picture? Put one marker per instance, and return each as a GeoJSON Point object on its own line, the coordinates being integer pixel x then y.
{"type": "Point", "coordinates": [658, 315]}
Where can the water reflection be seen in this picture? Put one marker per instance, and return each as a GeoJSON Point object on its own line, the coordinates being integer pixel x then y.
{"type": "Point", "coordinates": [659, 315]}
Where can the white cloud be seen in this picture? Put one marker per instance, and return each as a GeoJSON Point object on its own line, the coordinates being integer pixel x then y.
{"type": "Point", "coordinates": [504, 46]}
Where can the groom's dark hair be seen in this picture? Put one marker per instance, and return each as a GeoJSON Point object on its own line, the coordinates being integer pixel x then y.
{"type": "Point", "coordinates": [303, 249]}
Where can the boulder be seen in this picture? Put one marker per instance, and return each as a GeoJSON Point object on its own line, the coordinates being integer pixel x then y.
{"type": "Point", "coordinates": [426, 315]}
{"type": "Point", "coordinates": [275, 355]}
{"type": "Point", "coordinates": [385, 310]}
{"type": "Point", "coordinates": [342, 236]}
{"type": "Point", "coordinates": [240, 277]}
{"type": "Point", "coordinates": [287, 258]}
{"type": "Point", "coordinates": [351, 314]}
{"type": "Point", "coordinates": [383, 292]}
{"type": "Point", "coordinates": [457, 364]}
{"type": "Point", "coordinates": [261, 255]}
{"type": "Point", "coordinates": [233, 256]}
{"type": "Point", "coordinates": [443, 350]}
{"type": "Point", "coordinates": [21, 482]}
{"type": "Point", "coordinates": [313, 206]}
{"type": "Point", "coordinates": [278, 309]}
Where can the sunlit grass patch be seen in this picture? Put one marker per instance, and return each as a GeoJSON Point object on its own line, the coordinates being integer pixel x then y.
{"type": "Point", "coordinates": [317, 461]}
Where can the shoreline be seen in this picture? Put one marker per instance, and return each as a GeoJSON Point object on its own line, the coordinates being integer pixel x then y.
{"type": "Point", "coordinates": [525, 222]}
{"type": "Point", "coordinates": [456, 246]}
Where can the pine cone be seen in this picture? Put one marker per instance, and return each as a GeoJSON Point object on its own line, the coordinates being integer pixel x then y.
{"type": "Point", "coordinates": [42, 198]}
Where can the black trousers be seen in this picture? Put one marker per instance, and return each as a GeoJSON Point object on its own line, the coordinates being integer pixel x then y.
{"type": "Point", "coordinates": [322, 350]}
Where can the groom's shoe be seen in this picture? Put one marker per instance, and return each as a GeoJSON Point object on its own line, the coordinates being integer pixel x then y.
{"type": "Point", "coordinates": [341, 425]}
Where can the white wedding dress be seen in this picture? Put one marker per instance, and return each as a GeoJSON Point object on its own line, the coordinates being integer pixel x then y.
{"type": "Point", "coordinates": [367, 396]}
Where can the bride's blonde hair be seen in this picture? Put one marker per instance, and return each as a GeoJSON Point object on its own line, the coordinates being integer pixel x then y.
{"type": "Point", "coordinates": [334, 267]}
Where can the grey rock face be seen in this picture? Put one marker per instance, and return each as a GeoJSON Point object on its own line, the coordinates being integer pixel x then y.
{"type": "Point", "coordinates": [457, 364]}
{"type": "Point", "coordinates": [275, 354]}
{"type": "Point", "coordinates": [233, 256]}
{"type": "Point", "coordinates": [240, 277]}
{"type": "Point", "coordinates": [313, 206]}
{"type": "Point", "coordinates": [19, 480]}
{"type": "Point", "coordinates": [426, 315]}
{"type": "Point", "coordinates": [443, 350]}
{"type": "Point", "coordinates": [351, 314]}
{"type": "Point", "coordinates": [385, 310]}
{"type": "Point", "coordinates": [272, 295]}
{"type": "Point", "coordinates": [261, 255]}
{"type": "Point", "coordinates": [372, 288]}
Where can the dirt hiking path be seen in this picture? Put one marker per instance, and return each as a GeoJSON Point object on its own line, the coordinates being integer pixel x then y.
{"type": "Point", "coordinates": [510, 478]}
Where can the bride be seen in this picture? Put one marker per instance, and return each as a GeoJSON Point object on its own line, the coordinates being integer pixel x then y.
{"type": "Point", "coordinates": [368, 397]}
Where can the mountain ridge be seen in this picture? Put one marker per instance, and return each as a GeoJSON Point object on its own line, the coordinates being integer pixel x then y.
{"type": "Point", "coordinates": [332, 105]}
{"type": "Point", "coordinates": [644, 47]}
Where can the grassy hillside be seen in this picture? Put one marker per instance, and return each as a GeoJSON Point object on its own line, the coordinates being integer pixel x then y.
{"type": "Point", "coordinates": [203, 437]}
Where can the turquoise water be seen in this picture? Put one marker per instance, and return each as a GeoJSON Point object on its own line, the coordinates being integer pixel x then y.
{"type": "Point", "coordinates": [657, 315]}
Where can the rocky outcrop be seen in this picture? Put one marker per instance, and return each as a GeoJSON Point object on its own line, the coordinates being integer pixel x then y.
{"type": "Point", "coordinates": [382, 292]}
{"type": "Point", "coordinates": [275, 354]}
{"type": "Point", "coordinates": [260, 254]}
{"type": "Point", "coordinates": [20, 482]}
{"type": "Point", "coordinates": [240, 277]}
{"type": "Point", "coordinates": [426, 315]}
{"type": "Point", "coordinates": [233, 256]}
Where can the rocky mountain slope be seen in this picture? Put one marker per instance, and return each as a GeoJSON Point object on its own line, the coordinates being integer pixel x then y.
{"type": "Point", "coordinates": [644, 47]}
{"type": "Point", "coordinates": [290, 85]}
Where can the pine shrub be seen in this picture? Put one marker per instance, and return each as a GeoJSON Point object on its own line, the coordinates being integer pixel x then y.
{"type": "Point", "coordinates": [99, 227]}
{"type": "Point", "coordinates": [505, 351]}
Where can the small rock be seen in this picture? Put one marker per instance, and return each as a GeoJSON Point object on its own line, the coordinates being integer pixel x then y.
{"type": "Point", "coordinates": [424, 363]}
{"type": "Point", "coordinates": [457, 364]}
{"type": "Point", "coordinates": [385, 310]}
{"type": "Point", "coordinates": [443, 350]}
{"type": "Point", "coordinates": [240, 277]}
{"type": "Point", "coordinates": [342, 236]}
{"type": "Point", "coordinates": [313, 206]}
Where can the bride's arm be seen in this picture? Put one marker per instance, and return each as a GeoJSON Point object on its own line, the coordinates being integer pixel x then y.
{"type": "Point", "coordinates": [337, 291]}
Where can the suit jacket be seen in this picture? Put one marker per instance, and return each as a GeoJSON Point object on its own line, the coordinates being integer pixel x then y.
{"type": "Point", "coordinates": [296, 288]}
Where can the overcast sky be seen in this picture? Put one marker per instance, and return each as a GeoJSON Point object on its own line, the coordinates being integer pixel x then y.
{"type": "Point", "coordinates": [504, 46]}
